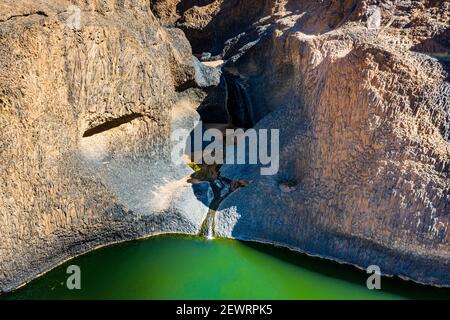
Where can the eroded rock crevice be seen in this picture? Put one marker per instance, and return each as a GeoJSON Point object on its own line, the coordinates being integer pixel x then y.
{"type": "Point", "coordinates": [111, 124]}
{"type": "Point", "coordinates": [38, 13]}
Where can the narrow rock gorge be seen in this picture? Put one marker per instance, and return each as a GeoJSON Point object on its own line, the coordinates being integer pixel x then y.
{"type": "Point", "coordinates": [90, 92]}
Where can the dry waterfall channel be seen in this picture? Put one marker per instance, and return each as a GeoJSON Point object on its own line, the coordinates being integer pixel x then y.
{"type": "Point", "coordinates": [231, 109]}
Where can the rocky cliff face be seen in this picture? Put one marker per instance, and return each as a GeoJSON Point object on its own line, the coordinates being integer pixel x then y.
{"type": "Point", "coordinates": [87, 93]}
{"type": "Point", "coordinates": [358, 90]}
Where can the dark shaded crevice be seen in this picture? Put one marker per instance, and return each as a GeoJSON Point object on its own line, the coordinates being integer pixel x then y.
{"type": "Point", "coordinates": [188, 4]}
{"type": "Point", "coordinates": [213, 108]}
{"type": "Point", "coordinates": [228, 21]}
{"type": "Point", "coordinates": [186, 86]}
{"type": "Point", "coordinates": [111, 124]}
{"type": "Point", "coordinates": [229, 103]}
{"type": "Point", "coordinates": [239, 104]}
{"type": "Point", "coordinates": [39, 13]}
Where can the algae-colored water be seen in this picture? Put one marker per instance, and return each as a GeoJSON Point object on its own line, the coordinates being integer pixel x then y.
{"type": "Point", "coordinates": [182, 267]}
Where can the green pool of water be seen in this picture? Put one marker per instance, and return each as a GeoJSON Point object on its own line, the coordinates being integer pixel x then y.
{"type": "Point", "coordinates": [182, 267]}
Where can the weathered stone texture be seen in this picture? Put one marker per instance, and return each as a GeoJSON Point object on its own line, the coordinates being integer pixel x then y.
{"type": "Point", "coordinates": [364, 125]}
{"type": "Point", "coordinates": [79, 104]}
{"type": "Point", "coordinates": [359, 90]}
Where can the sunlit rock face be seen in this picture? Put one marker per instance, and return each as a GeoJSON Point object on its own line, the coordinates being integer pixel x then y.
{"type": "Point", "coordinates": [87, 90]}
{"type": "Point", "coordinates": [358, 90]}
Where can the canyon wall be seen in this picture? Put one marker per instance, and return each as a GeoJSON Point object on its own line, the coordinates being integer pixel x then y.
{"type": "Point", "coordinates": [364, 125]}
{"type": "Point", "coordinates": [87, 96]}
{"type": "Point", "coordinates": [91, 90]}
{"type": "Point", "coordinates": [360, 94]}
